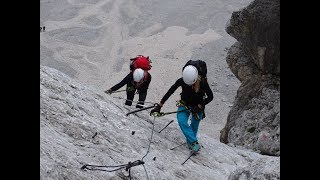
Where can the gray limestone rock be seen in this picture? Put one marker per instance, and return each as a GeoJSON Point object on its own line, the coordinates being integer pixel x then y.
{"type": "Point", "coordinates": [78, 35]}
{"type": "Point", "coordinates": [262, 169]}
{"type": "Point", "coordinates": [258, 28]}
{"type": "Point", "coordinates": [80, 125]}
{"type": "Point", "coordinates": [254, 120]}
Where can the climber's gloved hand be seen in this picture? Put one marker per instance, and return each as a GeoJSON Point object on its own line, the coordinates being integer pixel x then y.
{"type": "Point", "coordinates": [155, 110]}
{"type": "Point", "coordinates": [109, 91]}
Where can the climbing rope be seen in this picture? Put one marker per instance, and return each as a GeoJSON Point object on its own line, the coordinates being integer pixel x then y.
{"type": "Point", "coordinates": [132, 100]}
{"type": "Point", "coordinates": [127, 166]}
{"type": "Point", "coordinates": [118, 91]}
{"type": "Point", "coordinates": [130, 164]}
{"type": "Point", "coordinates": [154, 118]}
{"type": "Point", "coordinates": [99, 168]}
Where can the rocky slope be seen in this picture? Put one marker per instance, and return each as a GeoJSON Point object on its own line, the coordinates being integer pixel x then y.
{"type": "Point", "coordinates": [93, 40]}
{"type": "Point", "coordinates": [81, 125]}
{"type": "Point", "coordinates": [254, 120]}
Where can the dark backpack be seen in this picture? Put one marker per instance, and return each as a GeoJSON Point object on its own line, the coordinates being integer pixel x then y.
{"type": "Point", "coordinates": [140, 62]}
{"type": "Point", "coordinates": [200, 65]}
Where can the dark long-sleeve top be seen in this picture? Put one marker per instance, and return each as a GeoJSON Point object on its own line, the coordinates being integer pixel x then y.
{"type": "Point", "coordinates": [130, 82]}
{"type": "Point", "coordinates": [188, 95]}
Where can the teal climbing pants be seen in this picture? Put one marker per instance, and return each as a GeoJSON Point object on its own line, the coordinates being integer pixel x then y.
{"type": "Point", "coordinates": [189, 131]}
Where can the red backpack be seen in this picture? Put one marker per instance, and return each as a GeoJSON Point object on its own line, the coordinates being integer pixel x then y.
{"type": "Point", "coordinates": [140, 62]}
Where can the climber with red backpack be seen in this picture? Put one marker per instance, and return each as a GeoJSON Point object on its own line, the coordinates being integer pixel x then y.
{"type": "Point", "coordinates": [137, 80]}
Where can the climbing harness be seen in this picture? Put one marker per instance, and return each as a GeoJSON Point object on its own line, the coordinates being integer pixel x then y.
{"type": "Point", "coordinates": [160, 114]}
{"type": "Point", "coordinates": [131, 88]}
{"type": "Point", "coordinates": [182, 103]}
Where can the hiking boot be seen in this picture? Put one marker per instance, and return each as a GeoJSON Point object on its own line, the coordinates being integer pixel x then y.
{"type": "Point", "coordinates": [128, 103]}
{"type": "Point", "coordinates": [195, 146]}
{"type": "Point", "coordinates": [139, 106]}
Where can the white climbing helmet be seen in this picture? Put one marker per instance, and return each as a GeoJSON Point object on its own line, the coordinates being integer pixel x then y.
{"type": "Point", "coordinates": [138, 75]}
{"type": "Point", "coordinates": [190, 74]}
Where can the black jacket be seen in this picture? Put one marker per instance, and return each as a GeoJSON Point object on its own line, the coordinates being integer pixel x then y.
{"type": "Point", "coordinates": [130, 83]}
{"type": "Point", "coordinates": [188, 95]}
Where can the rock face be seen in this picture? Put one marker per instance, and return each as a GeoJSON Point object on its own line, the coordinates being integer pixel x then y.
{"type": "Point", "coordinates": [254, 120]}
{"type": "Point", "coordinates": [262, 169]}
{"type": "Point", "coordinates": [80, 125]}
{"type": "Point", "coordinates": [258, 28]}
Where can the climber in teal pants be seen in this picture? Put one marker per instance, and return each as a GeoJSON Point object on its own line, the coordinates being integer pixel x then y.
{"type": "Point", "coordinates": [195, 95]}
{"type": "Point", "coordinates": [189, 131]}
